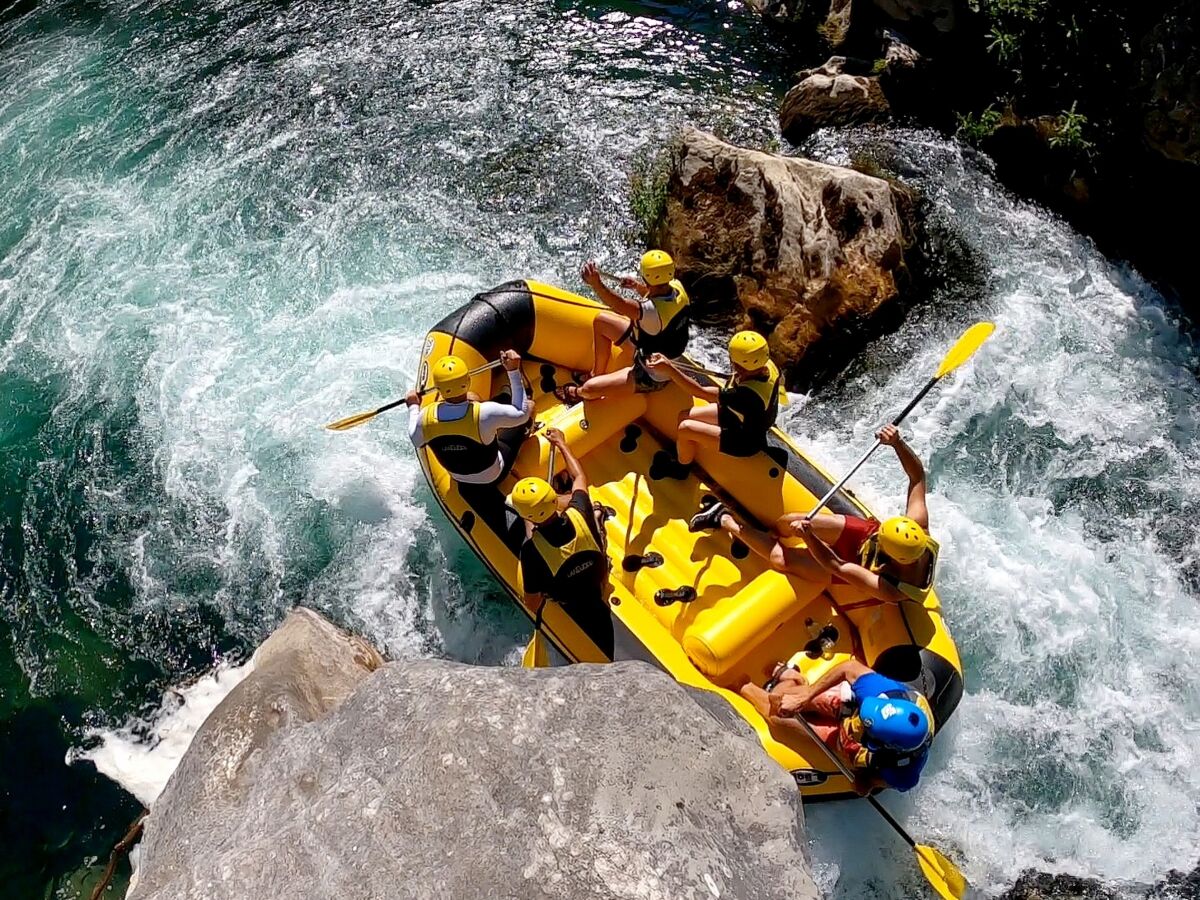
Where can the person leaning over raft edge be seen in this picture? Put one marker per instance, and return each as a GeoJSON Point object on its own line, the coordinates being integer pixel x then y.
{"type": "Point", "coordinates": [892, 561]}
{"type": "Point", "coordinates": [738, 415]}
{"type": "Point", "coordinates": [881, 726]}
{"type": "Point", "coordinates": [656, 323]}
{"type": "Point", "coordinates": [564, 556]}
{"type": "Point", "coordinates": [475, 441]}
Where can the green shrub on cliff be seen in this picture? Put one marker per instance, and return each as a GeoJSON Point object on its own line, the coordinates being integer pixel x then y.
{"type": "Point", "coordinates": [974, 127]}
{"type": "Point", "coordinates": [1069, 134]}
{"type": "Point", "coordinates": [648, 179]}
{"type": "Point", "coordinates": [1076, 55]}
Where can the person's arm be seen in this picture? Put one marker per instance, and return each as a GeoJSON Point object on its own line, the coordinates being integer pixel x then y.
{"type": "Point", "coordinates": [796, 700]}
{"type": "Point", "coordinates": [635, 284]}
{"type": "Point", "coordinates": [492, 415]}
{"type": "Point", "coordinates": [851, 573]}
{"type": "Point", "coordinates": [915, 508]}
{"type": "Point", "coordinates": [630, 309]}
{"type": "Point", "coordinates": [663, 365]}
{"type": "Point", "coordinates": [512, 364]}
{"type": "Point", "coordinates": [579, 480]}
{"type": "Point", "coordinates": [413, 400]}
{"type": "Point", "coordinates": [531, 575]}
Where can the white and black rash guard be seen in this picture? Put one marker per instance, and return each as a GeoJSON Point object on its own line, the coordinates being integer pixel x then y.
{"type": "Point", "coordinates": [492, 418]}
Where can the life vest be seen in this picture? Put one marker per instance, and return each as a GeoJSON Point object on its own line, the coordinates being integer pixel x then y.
{"type": "Point", "coordinates": [577, 570]}
{"type": "Point", "coordinates": [675, 316]}
{"type": "Point", "coordinates": [735, 408]}
{"type": "Point", "coordinates": [870, 558]}
{"type": "Point", "coordinates": [879, 756]}
{"type": "Point", "coordinates": [458, 444]}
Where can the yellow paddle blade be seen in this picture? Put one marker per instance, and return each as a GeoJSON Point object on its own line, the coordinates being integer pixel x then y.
{"type": "Point", "coordinates": [942, 874]}
{"type": "Point", "coordinates": [536, 655]}
{"type": "Point", "coordinates": [351, 421]}
{"type": "Point", "coordinates": [964, 348]}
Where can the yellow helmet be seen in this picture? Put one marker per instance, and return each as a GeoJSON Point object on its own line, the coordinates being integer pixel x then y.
{"type": "Point", "coordinates": [657, 267]}
{"type": "Point", "coordinates": [748, 350]}
{"type": "Point", "coordinates": [534, 499]}
{"type": "Point", "coordinates": [902, 539]}
{"type": "Point", "coordinates": [450, 376]}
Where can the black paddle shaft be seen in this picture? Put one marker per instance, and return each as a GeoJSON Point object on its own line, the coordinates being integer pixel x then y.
{"type": "Point", "coordinates": [395, 403]}
{"type": "Point", "coordinates": [879, 807]}
{"type": "Point", "coordinates": [915, 400]}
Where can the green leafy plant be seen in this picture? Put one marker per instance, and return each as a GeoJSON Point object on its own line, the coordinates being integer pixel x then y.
{"type": "Point", "coordinates": [974, 127]}
{"type": "Point", "coordinates": [1003, 43]}
{"type": "Point", "coordinates": [1030, 10]}
{"type": "Point", "coordinates": [1069, 132]}
{"type": "Point", "coordinates": [648, 180]}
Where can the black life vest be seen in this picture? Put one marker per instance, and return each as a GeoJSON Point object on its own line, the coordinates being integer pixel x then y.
{"type": "Point", "coordinates": [751, 402]}
{"type": "Point", "coordinates": [577, 568]}
{"type": "Point", "coordinates": [675, 315]}
{"type": "Point", "coordinates": [458, 444]}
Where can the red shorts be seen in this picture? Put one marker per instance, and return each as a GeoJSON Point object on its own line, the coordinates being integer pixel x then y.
{"type": "Point", "coordinates": [826, 720]}
{"type": "Point", "coordinates": [854, 535]}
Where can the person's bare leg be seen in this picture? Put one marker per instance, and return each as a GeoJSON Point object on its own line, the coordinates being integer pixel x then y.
{"type": "Point", "coordinates": [700, 413]}
{"type": "Point", "coordinates": [757, 697]}
{"type": "Point", "coordinates": [792, 560]}
{"type": "Point", "coordinates": [615, 384]}
{"type": "Point", "coordinates": [692, 435]}
{"type": "Point", "coordinates": [607, 329]}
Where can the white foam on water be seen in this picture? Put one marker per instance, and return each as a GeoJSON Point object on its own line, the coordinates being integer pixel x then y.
{"type": "Point", "coordinates": [142, 756]}
{"type": "Point", "coordinates": [273, 262]}
{"type": "Point", "coordinates": [1062, 463]}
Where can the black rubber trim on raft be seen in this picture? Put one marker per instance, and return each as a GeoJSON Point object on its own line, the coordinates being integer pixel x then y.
{"type": "Point", "coordinates": [809, 476]}
{"type": "Point", "coordinates": [502, 318]}
{"type": "Point", "coordinates": [925, 672]}
{"type": "Point", "coordinates": [497, 319]}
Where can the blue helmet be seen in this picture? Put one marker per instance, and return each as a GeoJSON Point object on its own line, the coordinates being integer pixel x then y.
{"type": "Point", "coordinates": [894, 723]}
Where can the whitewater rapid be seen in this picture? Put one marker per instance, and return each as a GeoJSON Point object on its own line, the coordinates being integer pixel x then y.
{"type": "Point", "coordinates": [1065, 486]}
{"type": "Point", "coordinates": [227, 229]}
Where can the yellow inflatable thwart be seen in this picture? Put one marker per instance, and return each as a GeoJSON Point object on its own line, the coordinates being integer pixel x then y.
{"type": "Point", "coordinates": [710, 613]}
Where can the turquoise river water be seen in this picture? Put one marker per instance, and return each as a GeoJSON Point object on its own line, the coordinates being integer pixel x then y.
{"type": "Point", "coordinates": [223, 224]}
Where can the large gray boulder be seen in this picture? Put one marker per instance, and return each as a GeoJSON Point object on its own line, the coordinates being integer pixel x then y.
{"type": "Point", "coordinates": [435, 779]}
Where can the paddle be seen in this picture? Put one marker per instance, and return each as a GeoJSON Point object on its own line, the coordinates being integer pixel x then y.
{"type": "Point", "coordinates": [357, 419]}
{"type": "Point", "coordinates": [942, 875]}
{"type": "Point", "coordinates": [964, 348]}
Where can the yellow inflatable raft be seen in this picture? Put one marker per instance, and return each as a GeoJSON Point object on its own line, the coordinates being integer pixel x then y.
{"type": "Point", "coordinates": [744, 616]}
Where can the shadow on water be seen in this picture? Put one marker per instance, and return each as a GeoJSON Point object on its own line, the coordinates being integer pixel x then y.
{"type": "Point", "coordinates": [52, 816]}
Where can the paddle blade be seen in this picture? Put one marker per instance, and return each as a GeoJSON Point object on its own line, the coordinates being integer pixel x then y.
{"type": "Point", "coordinates": [964, 348]}
{"type": "Point", "coordinates": [943, 875]}
{"type": "Point", "coordinates": [537, 654]}
{"type": "Point", "coordinates": [351, 421]}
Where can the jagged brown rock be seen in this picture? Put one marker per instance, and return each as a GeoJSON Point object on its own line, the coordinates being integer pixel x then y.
{"type": "Point", "coordinates": [938, 15]}
{"type": "Point", "coordinates": [830, 96]}
{"type": "Point", "coordinates": [809, 250]}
